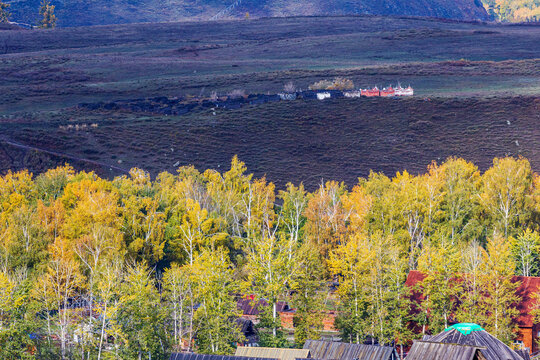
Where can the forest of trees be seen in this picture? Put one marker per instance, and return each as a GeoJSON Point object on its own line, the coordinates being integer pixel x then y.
{"type": "Point", "coordinates": [129, 268]}
{"type": "Point", "coordinates": [513, 10]}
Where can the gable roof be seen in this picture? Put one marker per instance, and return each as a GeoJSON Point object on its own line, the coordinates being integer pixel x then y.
{"type": "Point", "coordinates": [493, 348]}
{"type": "Point", "coordinates": [249, 306]}
{"type": "Point", "coordinates": [528, 286]}
{"type": "Point", "coordinates": [272, 353]}
{"type": "Point", "coordinates": [330, 350]}
{"type": "Point", "coordinates": [193, 356]}
{"type": "Point", "coordinates": [428, 350]}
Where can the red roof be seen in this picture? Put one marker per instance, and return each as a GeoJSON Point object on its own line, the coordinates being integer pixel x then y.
{"type": "Point", "coordinates": [528, 287]}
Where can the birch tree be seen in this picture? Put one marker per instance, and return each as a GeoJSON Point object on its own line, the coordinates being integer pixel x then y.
{"type": "Point", "coordinates": [506, 188]}
{"type": "Point", "coordinates": [497, 304]}
{"type": "Point", "coordinates": [471, 270]}
{"type": "Point", "coordinates": [351, 262]}
{"type": "Point", "coordinates": [526, 249]}
{"type": "Point", "coordinates": [270, 272]}
{"type": "Point", "coordinates": [441, 286]}
{"type": "Point", "coordinates": [213, 288]}
{"type": "Point", "coordinates": [178, 287]}
{"type": "Point", "coordinates": [460, 201]}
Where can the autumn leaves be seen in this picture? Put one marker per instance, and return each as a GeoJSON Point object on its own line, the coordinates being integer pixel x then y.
{"type": "Point", "coordinates": [135, 267]}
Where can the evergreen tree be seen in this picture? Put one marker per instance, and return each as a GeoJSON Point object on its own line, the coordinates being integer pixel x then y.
{"type": "Point", "coordinates": [46, 11]}
{"type": "Point", "coordinates": [4, 13]}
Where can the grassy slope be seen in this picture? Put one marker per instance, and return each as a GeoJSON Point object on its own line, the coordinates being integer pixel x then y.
{"type": "Point", "coordinates": [299, 140]}
{"type": "Point", "coordinates": [100, 12]}
{"type": "Point", "coordinates": [51, 69]}
{"type": "Point", "coordinates": [44, 72]}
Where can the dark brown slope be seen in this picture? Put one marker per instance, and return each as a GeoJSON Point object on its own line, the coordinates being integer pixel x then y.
{"type": "Point", "coordinates": [295, 141]}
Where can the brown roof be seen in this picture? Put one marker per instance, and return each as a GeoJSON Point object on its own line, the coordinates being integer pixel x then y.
{"type": "Point", "coordinates": [272, 353]}
{"type": "Point", "coordinates": [493, 348]}
{"type": "Point", "coordinates": [428, 350]}
{"type": "Point", "coordinates": [331, 350]}
{"type": "Point", "coordinates": [249, 306]}
{"type": "Point", "coordinates": [193, 356]}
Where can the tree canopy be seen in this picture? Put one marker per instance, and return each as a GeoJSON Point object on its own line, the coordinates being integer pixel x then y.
{"type": "Point", "coordinates": [136, 267]}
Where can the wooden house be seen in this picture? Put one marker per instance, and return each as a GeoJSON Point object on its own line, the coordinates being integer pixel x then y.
{"type": "Point", "coordinates": [331, 350]}
{"type": "Point", "coordinates": [252, 308]}
{"type": "Point", "coordinates": [272, 353]}
{"type": "Point", "coordinates": [427, 350]}
{"type": "Point", "coordinates": [249, 331]}
{"type": "Point", "coordinates": [474, 335]}
{"type": "Point", "coordinates": [193, 356]}
{"type": "Point", "coordinates": [528, 331]}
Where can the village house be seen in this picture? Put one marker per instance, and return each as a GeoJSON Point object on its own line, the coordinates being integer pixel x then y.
{"type": "Point", "coordinates": [427, 350]}
{"type": "Point", "coordinates": [251, 309]}
{"type": "Point", "coordinates": [193, 356]}
{"type": "Point", "coordinates": [528, 330]}
{"type": "Point", "coordinates": [470, 335]}
{"type": "Point", "coordinates": [331, 350]}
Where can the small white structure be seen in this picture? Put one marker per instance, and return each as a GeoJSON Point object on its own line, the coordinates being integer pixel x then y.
{"type": "Point", "coordinates": [287, 96]}
{"type": "Point", "coordinates": [323, 95]}
{"type": "Point", "coordinates": [352, 94]}
{"type": "Point", "coordinates": [399, 91]}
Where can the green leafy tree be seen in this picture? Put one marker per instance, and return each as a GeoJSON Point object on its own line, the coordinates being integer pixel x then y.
{"type": "Point", "coordinates": [214, 287]}
{"type": "Point", "coordinates": [270, 272]}
{"type": "Point", "coordinates": [441, 286]}
{"type": "Point", "coordinates": [506, 190]}
{"type": "Point", "coordinates": [141, 317]}
{"type": "Point", "coordinates": [178, 290]}
{"type": "Point", "coordinates": [351, 262]}
{"type": "Point", "coordinates": [17, 318]}
{"type": "Point", "coordinates": [308, 298]}
{"type": "Point", "coordinates": [292, 219]}
{"type": "Point", "coordinates": [197, 230]}
{"type": "Point", "coordinates": [471, 267]}
{"type": "Point", "coordinates": [498, 301]}
{"type": "Point", "coordinates": [459, 205]}
{"type": "Point", "coordinates": [526, 249]}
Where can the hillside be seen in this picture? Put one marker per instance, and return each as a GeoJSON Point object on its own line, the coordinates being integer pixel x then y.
{"type": "Point", "coordinates": [477, 96]}
{"type": "Point", "coordinates": [99, 12]}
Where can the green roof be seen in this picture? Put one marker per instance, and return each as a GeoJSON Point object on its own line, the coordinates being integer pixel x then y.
{"type": "Point", "coordinates": [465, 328]}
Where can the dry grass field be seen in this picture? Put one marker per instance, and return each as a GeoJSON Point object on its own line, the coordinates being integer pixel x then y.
{"type": "Point", "coordinates": [477, 95]}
